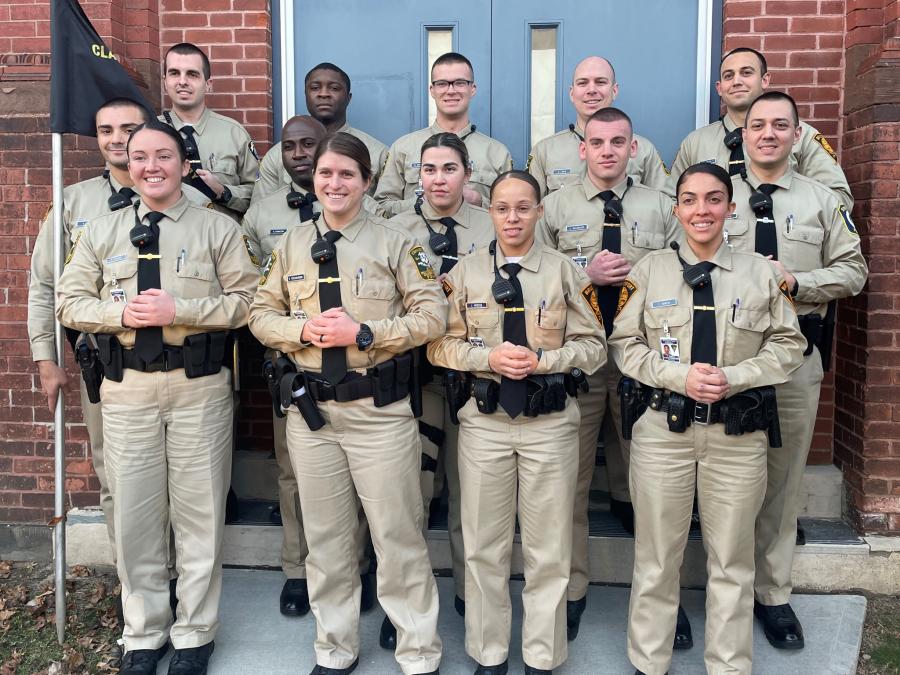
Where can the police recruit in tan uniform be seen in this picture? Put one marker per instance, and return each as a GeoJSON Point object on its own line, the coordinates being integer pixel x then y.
{"type": "Point", "coordinates": [519, 343]}
{"type": "Point", "coordinates": [452, 88]}
{"type": "Point", "coordinates": [83, 203]}
{"type": "Point", "coordinates": [812, 240]}
{"type": "Point", "coordinates": [264, 225]}
{"type": "Point", "coordinates": [160, 286]}
{"type": "Point", "coordinates": [605, 223]}
{"type": "Point", "coordinates": [327, 97]}
{"type": "Point", "coordinates": [706, 331]}
{"type": "Point", "coordinates": [445, 172]}
{"type": "Point", "coordinates": [555, 161]}
{"type": "Point", "coordinates": [347, 297]}
{"type": "Point", "coordinates": [224, 163]}
{"type": "Point", "coordinates": [743, 77]}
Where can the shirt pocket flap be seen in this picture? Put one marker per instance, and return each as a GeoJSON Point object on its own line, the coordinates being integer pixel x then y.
{"type": "Point", "coordinates": [651, 240]}
{"type": "Point", "coordinates": [300, 289]}
{"type": "Point", "coordinates": [196, 270]}
{"type": "Point", "coordinates": [587, 239]}
{"type": "Point", "coordinates": [756, 320]}
{"type": "Point", "coordinates": [736, 227]}
{"type": "Point", "coordinates": [551, 319]}
{"type": "Point", "coordinates": [371, 289]}
{"type": "Point", "coordinates": [482, 177]}
{"type": "Point", "coordinates": [124, 269]}
{"type": "Point", "coordinates": [806, 234]}
{"type": "Point", "coordinates": [483, 318]}
{"type": "Point", "coordinates": [670, 316]}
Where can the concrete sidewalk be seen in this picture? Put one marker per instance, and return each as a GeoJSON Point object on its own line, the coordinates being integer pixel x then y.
{"type": "Point", "coordinates": [254, 639]}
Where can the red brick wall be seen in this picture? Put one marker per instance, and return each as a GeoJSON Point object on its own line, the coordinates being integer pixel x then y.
{"type": "Point", "coordinates": [803, 41]}
{"type": "Point", "coordinates": [867, 429]}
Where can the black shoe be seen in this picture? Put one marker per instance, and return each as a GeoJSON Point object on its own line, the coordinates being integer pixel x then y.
{"type": "Point", "coordinates": [142, 661]}
{"type": "Point", "coordinates": [624, 511]}
{"type": "Point", "coordinates": [500, 669]}
{"type": "Point", "coordinates": [275, 517]}
{"type": "Point", "coordinates": [294, 599]}
{"type": "Point", "coordinates": [536, 671]}
{"type": "Point", "coordinates": [387, 637]}
{"type": "Point", "coordinates": [192, 661]}
{"type": "Point", "coordinates": [368, 595]}
{"type": "Point", "coordinates": [459, 605]}
{"type": "Point", "coordinates": [173, 596]}
{"type": "Point", "coordinates": [232, 509]}
{"type": "Point", "coordinates": [781, 625]}
{"type": "Point", "coordinates": [574, 610]}
{"type": "Point", "coordinates": [683, 637]}
{"type": "Point", "coordinates": [324, 670]}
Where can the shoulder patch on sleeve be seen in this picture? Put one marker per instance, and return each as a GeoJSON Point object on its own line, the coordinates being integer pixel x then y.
{"type": "Point", "coordinates": [250, 252]}
{"type": "Point", "coordinates": [826, 146]}
{"type": "Point", "coordinates": [786, 292]}
{"type": "Point", "coordinates": [628, 290]}
{"type": "Point", "coordinates": [423, 265]}
{"type": "Point", "coordinates": [72, 250]}
{"type": "Point", "coordinates": [589, 294]}
{"type": "Point", "coordinates": [268, 268]}
{"type": "Point", "coordinates": [848, 221]}
{"type": "Point", "coordinates": [448, 288]}
{"type": "Point", "coordinates": [665, 168]}
{"type": "Point", "coordinates": [252, 149]}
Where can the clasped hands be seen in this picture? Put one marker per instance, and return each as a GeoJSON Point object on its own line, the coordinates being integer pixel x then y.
{"type": "Point", "coordinates": [332, 328]}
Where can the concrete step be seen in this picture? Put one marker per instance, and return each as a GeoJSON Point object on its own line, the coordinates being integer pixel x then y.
{"type": "Point", "coordinates": [833, 559]}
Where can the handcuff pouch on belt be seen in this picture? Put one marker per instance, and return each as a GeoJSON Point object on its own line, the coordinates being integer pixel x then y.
{"type": "Point", "coordinates": [753, 410]}
{"type": "Point", "coordinates": [274, 371]}
{"type": "Point", "coordinates": [487, 395]}
{"type": "Point", "coordinates": [204, 353]}
{"type": "Point", "coordinates": [391, 380]}
{"type": "Point", "coordinates": [295, 390]}
{"type": "Point", "coordinates": [88, 358]}
{"type": "Point", "coordinates": [546, 394]}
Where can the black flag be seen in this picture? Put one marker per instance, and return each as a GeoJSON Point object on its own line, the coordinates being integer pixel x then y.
{"type": "Point", "coordinates": [84, 73]}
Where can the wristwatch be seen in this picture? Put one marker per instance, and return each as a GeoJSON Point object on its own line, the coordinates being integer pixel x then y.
{"type": "Point", "coordinates": [225, 197]}
{"type": "Point", "coordinates": [364, 338]}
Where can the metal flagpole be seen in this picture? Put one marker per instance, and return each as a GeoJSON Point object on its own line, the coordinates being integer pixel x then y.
{"type": "Point", "coordinates": [59, 518]}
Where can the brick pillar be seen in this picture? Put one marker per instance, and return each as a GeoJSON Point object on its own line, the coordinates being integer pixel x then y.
{"type": "Point", "coordinates": [867, 419]}
{"type": "Point", "coordinates": [802, 41]}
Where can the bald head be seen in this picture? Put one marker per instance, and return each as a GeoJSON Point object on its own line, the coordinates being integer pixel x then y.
{"type": "Point", "coordinates": [300, 137]}
{"type": "Point", "coordinates": [593, 87]}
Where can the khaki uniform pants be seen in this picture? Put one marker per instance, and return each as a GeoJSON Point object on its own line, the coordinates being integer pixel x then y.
{"type": "Point", "coordinates": [600, 399]}
{"type": "Point", "coordinates": [293, 542]}
{"type": "Point", "coordinates": [375, 453]}
{"type": "Point", "coordinates": [776, 525]}
{"type": "Point", "coordinates": [529, 462]}
{"type": "Point", "coordinates": [729, 475]}
{"type": "Point", "coordinates": [93, 420]}
{"type": "Point", "coordinates": [436, 413]}
{"type": "Point", "coordinates": [167, 441]}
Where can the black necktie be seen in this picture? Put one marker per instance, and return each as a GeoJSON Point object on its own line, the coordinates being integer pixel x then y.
{"type": "Point", "coordinates": [148, 342]}
{"type": "Point", "coordinates": [193, 155]}
{"type": "Point", "coordinates": [334, 359]}
{"type": "Point", "coordinates": [514, 392]}
{"type": "Point", "coordinates": [766, 237]}
{"type": "Point", "coordinates": [451, 256]}
{"type": "Point", "coordinates": [735, 144]}
{"type": "Point", "coordinates": [703, 343]}
{"type": "Point", "coordinates": [306, 207]}
{"type": "Point", "coordinates": [608, 296]}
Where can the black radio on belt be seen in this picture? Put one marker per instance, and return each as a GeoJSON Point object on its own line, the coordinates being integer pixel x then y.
{"type": "Point", "coordinates": [322, 250]}
{"type": "Point", "coordinates": [734, 138]}
{"type": "Point", "coordinates": [140, 235]}
{"type": "Point", "coordinates": [439, 243]}
{"type": "Point", "coordinates": [502, 289]}
{"type": "Point", "coordinates": [695, 276]}
{"type": "Point", "coordinates": [760, 202]}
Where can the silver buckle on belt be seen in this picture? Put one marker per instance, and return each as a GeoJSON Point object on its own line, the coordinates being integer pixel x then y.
{"type": "Point", "coordinates": [702, 413]}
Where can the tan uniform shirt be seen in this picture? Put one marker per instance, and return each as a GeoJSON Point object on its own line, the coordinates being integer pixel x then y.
{"type": "Point", "coordinates": [474, 229]}
{"type": "Point", "coordinates": [203, 265]}
{"type": "Point", "coordinates": [386, 282]}
{"type": "Point", "coordinates": [817, 241]}
{"type": "Point", "coordinates": [569, 330]}
{"type": "Point", "coordinates": [83, 202]}
{"type": "Point", "coordinates": [812, 156]}
{"type": "Point", "coordinates": [400, 178]}
{"type": "Point", "coordinates": [227, 151]}
{"type": "Point", "coordinates": [269, 218]}
{"type": "Point", "coordinates": [757, 344]}
{"type": "Point", "coordinates": [555, 162]}
{"type": "Point", "coordinates": [573, 220]}
{"type": "Point", "coordinates": [272, 174]}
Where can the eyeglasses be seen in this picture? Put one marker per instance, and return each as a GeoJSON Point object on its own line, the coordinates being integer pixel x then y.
{"type": "Point", "coordinates": [440, 86]}
{"type": "Point", "coordinates": [522, 210]}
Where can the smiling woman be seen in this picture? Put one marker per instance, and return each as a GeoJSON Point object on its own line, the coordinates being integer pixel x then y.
{"type": "Point", "coordinates": [157, 162]}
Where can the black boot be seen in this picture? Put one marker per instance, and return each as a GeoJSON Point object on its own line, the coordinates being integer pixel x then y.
{"type": "Point", "coordinates": [683, 636]}
{"type": "Point", "coordinates": [574, 610]}
{"type": "Point", "coordinates": [500, 669]}
{"type": "Point", "coordinates": [324, 670]}
{"type": "Point", "coordinates": [193, 661]}
{"type": "Point", "coordinates": [294, 599]}
{"type": "Point", "coordinates": [142, 661]}
{"type": "Point", "coordinates": [387, 637]}
{"type": "Point", "coordinates": [781, 625]}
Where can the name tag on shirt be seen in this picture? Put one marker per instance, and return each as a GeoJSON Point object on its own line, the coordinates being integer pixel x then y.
{"type": "Point", "coordinates": [115, 259]}
{"type": "Point", "coordinates": [80, 223]}
{"type": "Point", "coordinates": [579, 227]}
{"type": "Point", "coordinates": [415, 165]}
{"type": "Point", "coordinates": [476, 305]}
{"type": "Point", "coordinates": [296, 277]}
{"type": "Point", "coordinates": [561, 172]}
{"type": "Point", "coordinates": [278, 231]}
{"type": "Point", "coordinates": [671, 302]}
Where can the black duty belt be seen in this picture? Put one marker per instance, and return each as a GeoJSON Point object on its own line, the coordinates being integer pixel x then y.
{"type": "Point", "coordinates": [697, 413]}
{"type": "Point", "coordinates": [353, 387]}
{"type": "Point", "coordinates": [172, 358]}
